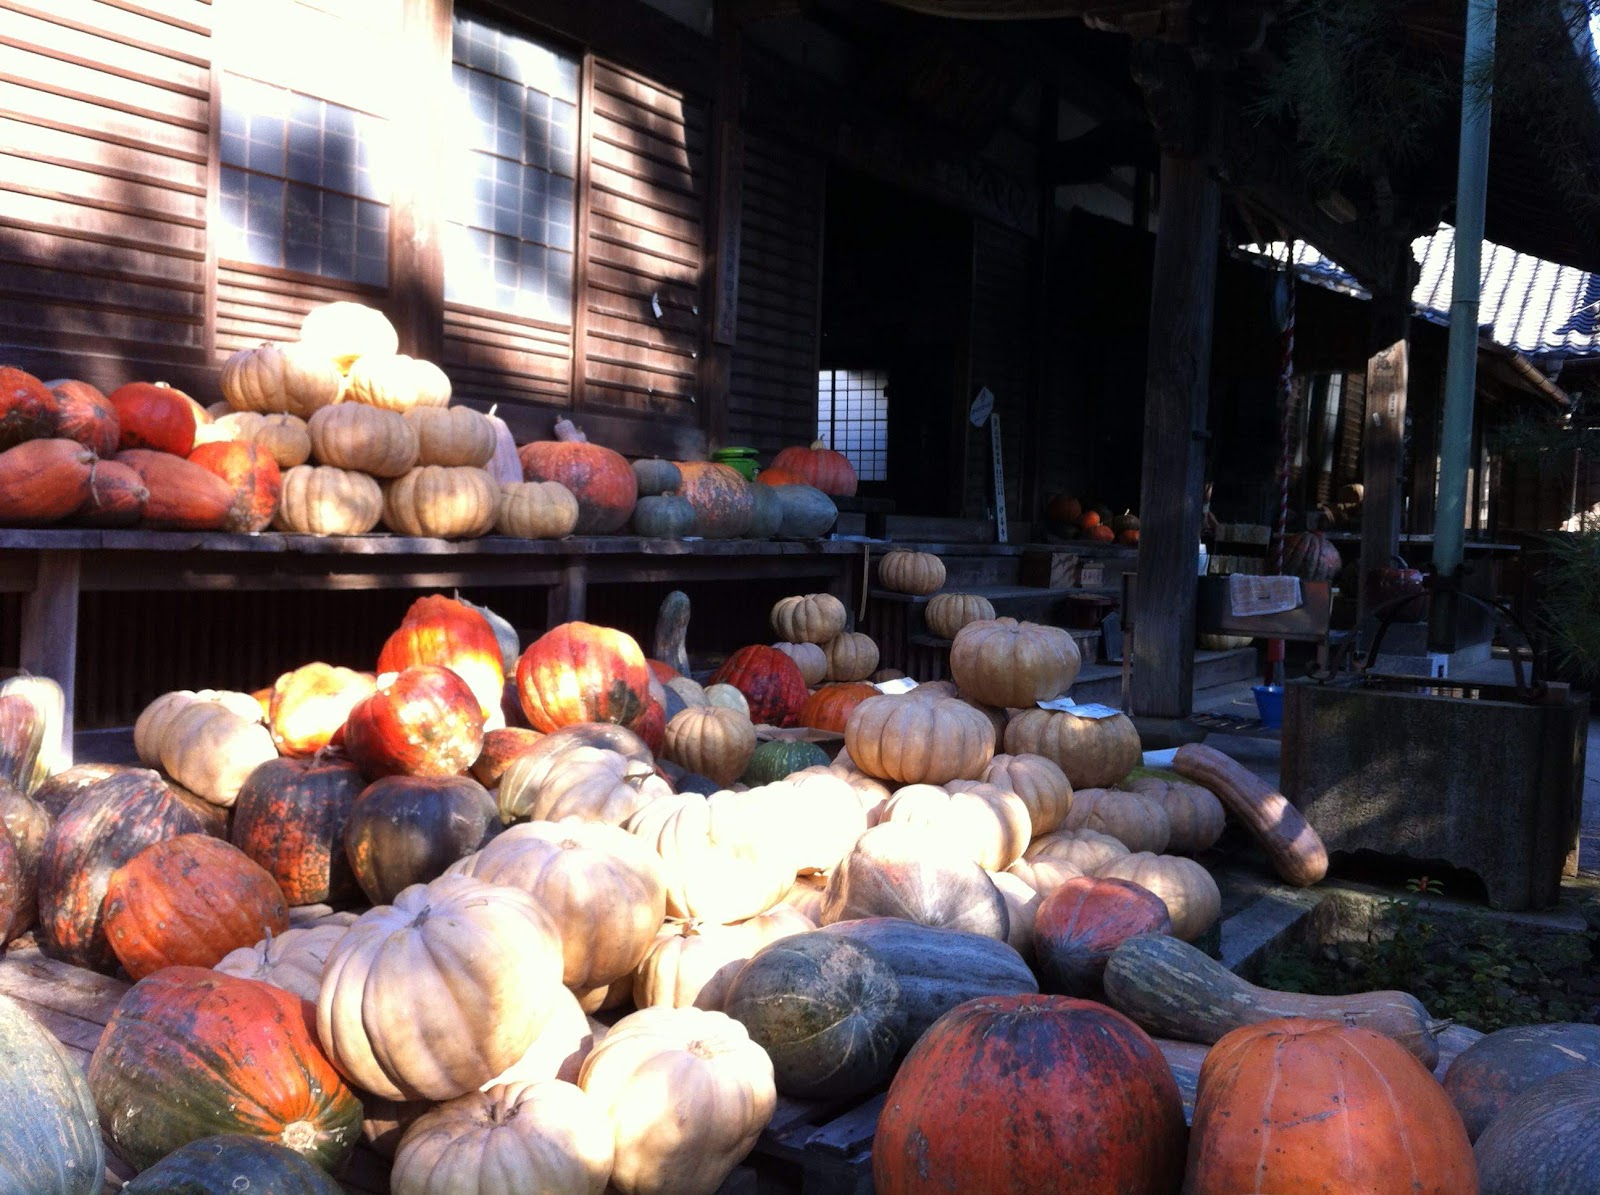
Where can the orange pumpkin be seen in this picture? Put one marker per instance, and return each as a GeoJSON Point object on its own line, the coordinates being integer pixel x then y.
{"type": "Point", "coordinates": [183, 496]}
{"type": "Point", "coordinates": [85, 415]}
{"type": "Point", "coordinates": [1101, 533]}
{"type": "Point", "coordinates": [772, 475]}
{"type": "Point", "coordinates": [1088, 520]}
{"type": "Point", "coordinates": [1129, 536]}
{"type": "Point", "coordinates": [308, 707]}
{"type": "Point", "coordinates": [1308, 1105]}
{"type": "Point", "coordinates": [829, 707]}
{"type": "Point", "coordinates": [44, 480]}
{"type": "Point", "coordinates": [819, 466]}
{"type": "Point", "coordinates": [251, 474]}
{"type": "Point", "coordinates": [27, 408]}
{"type": "Point", "coordinates": [601, 480]}
{"type": "Point", "coordinates": [449, 633]}
{"type": "Point", "coordinates": [579, 672]}
{"type": "Point", "coordinates": [1065, 509]}
{"type": "Point", "coordinates": [117, 496]}
{"type": "Point", "coordinates": [187, 902]}
{"type": "Point", "coordinates": [424, 721]}
{"type": "Point", "coordinates": [724, 506]}
{"type": "Point", "coordinates": [1034, 1093]}
{"type": "Point", "coordinates": [191, 1053]}
{"type": "Point", "coordinates": [154, 415]}
{"type": "Point", "coordinates": [770, 681]}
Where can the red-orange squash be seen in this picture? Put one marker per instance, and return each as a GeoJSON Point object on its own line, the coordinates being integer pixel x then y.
{"type": "Point", "coordinates": [819, 466]}
{"type": "Point", "coordinates": [187, 902]}
{"type": "Point", "coordinates": [500, 748]}
{"type": "Point", "coordinates": [651, 726]}
{"type": "Point", "coordinates": [723, 504]}
{"type": "Point", "coordinates": [770, 681]}
{"type": "Point", "coordinates": [27, 408]}
{"type": "Point", "coordinates": [449, 633]}
{"type": "Point", "coordinates": [1078, 925]}
{"type": "Point", "coordinates": [601, 480]}
{"type": "Point", "coordinates": [85, 415]}
{"type": "Point", "coordinates": [829, 707]}
{"type": "Point", "coordinates": [251, 474]}
{"type": "Point", "coordinates": [183, 496]}
{"type": "Point", "coordinates": [772, 475]}
{"type": "Point", "coordinates": [44, 480]}
{"type": "Point", "coordinates": [579, 672]}
{"type": "Point", "coordinates": [308, 707]}
{"type": "Point", "coordinates": [117, 496]}
{"type": "Point", "coordinates": [105, 826]}
{"type": "Point", "coordinates": [1012, 1095]}
{"type": "Point", "coordinates": [424, 721]}
{"type": "Point", "coordinates": [1309, 1105]}
{"type": "Point", "coordinates": [191, 1053]}
{"type": "Point", "coordinates": [154, 415]}
{"type": "Point", "coordinates": [290, 818]}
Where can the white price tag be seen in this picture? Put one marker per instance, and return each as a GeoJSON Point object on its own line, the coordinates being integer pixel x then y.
{"type": "Point", "coordinates": [1160, 759]}
{"type": "Point", "coordinates": [1066, 705]}
{"type": "Point", "coordinates": [899, 685]}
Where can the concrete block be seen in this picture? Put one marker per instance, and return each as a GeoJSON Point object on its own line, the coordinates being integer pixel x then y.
{"type": "Point", "coordinates": [1494, 787]}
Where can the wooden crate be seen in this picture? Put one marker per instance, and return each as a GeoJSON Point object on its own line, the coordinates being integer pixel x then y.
{"type": "Point", "coordinates": [820, 1147]}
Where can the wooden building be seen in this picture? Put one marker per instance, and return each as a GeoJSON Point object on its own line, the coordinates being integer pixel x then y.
{"type": "Point", "coordinates": [689, 224]}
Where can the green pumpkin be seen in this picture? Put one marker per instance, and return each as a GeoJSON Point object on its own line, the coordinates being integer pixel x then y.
{"type": "Point", "coordinates": [663, 516]}
{"type": "Point", "coordinates": [778, 758]}
{"type": "Point", "coordinates": [50, 1134]}
{"type": "Point", "coordinates": [769, 511]}
{"type": "Point", "coordinates": [656, 477]}
{"type": "Point", "coordinates": [808, 513]}
{"type": "Point", "coordinates": [827, 1011]}
{"type": "Point", "coordinates": [233, 1162]}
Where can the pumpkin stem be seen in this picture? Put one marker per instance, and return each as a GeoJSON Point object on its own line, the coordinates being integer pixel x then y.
{"type": "Point", "coordinates": [569, 433]}
{"type": "Point", "coordinates": [818, 445]}
{"type": "Point", "coordinates": [299, 1136]}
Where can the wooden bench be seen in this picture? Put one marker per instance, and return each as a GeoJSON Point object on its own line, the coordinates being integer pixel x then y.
{"type": "Point", "coordinates": [51, 568]}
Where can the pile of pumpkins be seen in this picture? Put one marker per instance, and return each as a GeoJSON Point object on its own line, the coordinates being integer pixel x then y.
{"type": "Point", "coordinates": [577, 939]}
{"type": "Point", "coordinates": [338, 433]}
{"type": "Point", "coordinates": [1071, 518]}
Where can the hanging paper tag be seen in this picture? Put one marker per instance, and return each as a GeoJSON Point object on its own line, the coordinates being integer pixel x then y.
{"type": "Point", "coordinates": [1066, 705]}
{"type": "Point", "coordinates": [899, 685]}
{"type": "Point", "coordinates": [1160, 759]}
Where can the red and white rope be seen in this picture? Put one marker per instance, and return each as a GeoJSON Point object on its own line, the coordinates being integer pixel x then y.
{"type": "Point", "coordinates": [1286, 384]}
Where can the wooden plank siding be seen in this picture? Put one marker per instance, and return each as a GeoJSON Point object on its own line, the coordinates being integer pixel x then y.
{"type": "Point", "coordinates": [772, 401]}
{"type": "Point", "coordinates": [104, 152]}
{"type": "Point", "coordinates": [1003, 359]}
{"type": "Point", "coordinates": [645, 245]}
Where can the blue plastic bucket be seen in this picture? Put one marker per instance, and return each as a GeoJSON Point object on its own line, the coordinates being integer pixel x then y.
{"type": "Point", "coordinates": [1269, 702]}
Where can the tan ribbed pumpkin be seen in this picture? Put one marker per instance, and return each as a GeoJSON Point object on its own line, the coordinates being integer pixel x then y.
{"type": "Point", "coordinates": [911, 741]}
{"type": "Point", "coordinates": [536, 510]}
{"type": "Point", "coordinates": [1011, 664]}
{"type": "Point", "coordinates": [452, 436]}
{"type": "Point", "coordinates": [365, 439]}
{"type": "Point", "coordinates": [852, 656]}
{"type": "Point", "coordinates": [809, 618]}
{"type": "Point", "coordinates": [911, 572]}
{"type": "Point", "coordinates": [319, 500]}
{"type": "Point", "coordinates": [445, 503]}
{"type": "Point", "coordinates": [295, 379]}
{"type": "Point", "coordinates": [946, 613]}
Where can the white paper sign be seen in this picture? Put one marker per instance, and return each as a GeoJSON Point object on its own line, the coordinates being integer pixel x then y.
{"type": "Point", "coordinates": [1160, 759]}
{"type": "Point", "coordinates": [1066, 705]}
{"type": "Point", "coordinates": [902, 684]}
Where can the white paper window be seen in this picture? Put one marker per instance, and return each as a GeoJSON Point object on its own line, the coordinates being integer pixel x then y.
{"type": "Point", "coordinates": [853, 418]}
{"type": "Point", "coordinates": [301, 184]}
{"type": "Point", "coordinates": [512, 227]}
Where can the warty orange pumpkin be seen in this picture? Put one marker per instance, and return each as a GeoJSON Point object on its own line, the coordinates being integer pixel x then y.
{"type": "Point", "coordinates": [579, 672]}
{"type": "Point", "coordinates": [449, 633]}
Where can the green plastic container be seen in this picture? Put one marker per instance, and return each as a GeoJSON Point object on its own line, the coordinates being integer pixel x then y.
{"type": "Point", "coordinates": [741, 460]}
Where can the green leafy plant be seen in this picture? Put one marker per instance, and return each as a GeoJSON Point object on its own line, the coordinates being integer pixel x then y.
{"type": "Point", "coordinates": [1568, 617]}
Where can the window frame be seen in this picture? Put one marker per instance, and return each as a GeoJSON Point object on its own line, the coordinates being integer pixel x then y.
{"type": "Point", "coordinates": [583, 59]}
{"type": "Point", "coordinates": [881, 476]}
{"type": "Point", "coordinates": [220, 259]}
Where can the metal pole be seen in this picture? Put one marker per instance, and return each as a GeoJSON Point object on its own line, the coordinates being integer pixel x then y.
{"type": "Point", "coordinates": [1462, 361]}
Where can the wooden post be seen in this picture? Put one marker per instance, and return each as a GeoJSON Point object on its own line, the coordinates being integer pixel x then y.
{"type": "Point", "coordinates": [417, 219]}
{"type": "Point", "coordinates": [568, 601]}
{"type": "Point", "coordinates": [1176, 393]}
{"type": "Point", "coordinates": [50, 631]}
{"type": "Point", "coordinates": [724, 221]}
{"type": "Point", "coordinates": [1383, 434]}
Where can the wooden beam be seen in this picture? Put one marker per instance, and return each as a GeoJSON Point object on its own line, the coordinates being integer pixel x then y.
{"type": "Point", "coordinates": [1383, 439]}
{"type": "Point", "coordinates": [417, 219]}
{"type": "Point", "coordinates": [1177, 389]}
{"type": "Point", "coordinates": [50, 632]}
{"type": "Point", "coordinates": [724, 222]}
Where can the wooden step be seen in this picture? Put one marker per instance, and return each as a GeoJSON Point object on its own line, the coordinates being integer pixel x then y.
{"type": "Point", "coordinates": [1103, 682]}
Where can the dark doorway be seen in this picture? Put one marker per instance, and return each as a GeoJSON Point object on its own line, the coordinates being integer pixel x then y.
{"type": "Point", "coordinates": [895, 305]}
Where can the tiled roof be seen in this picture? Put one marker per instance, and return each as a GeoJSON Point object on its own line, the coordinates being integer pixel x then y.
{"type": "Point", "coordinates": [1536, 307]}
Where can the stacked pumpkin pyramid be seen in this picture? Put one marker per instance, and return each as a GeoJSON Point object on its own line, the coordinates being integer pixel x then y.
{"type": "Point", "coordinates": [368, 434]}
